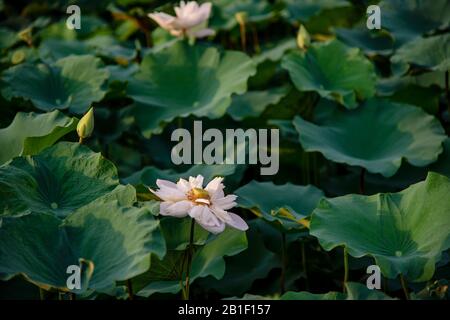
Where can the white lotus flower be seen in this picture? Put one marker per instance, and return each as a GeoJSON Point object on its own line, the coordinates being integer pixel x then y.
{"type": "Point", "coordinates": [207, 206]}
{"type": "Point", "coordinates": [191, 20]}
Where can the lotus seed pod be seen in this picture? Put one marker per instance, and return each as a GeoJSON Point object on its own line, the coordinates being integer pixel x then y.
{"type": "Point", "coordinates": [85, 126]}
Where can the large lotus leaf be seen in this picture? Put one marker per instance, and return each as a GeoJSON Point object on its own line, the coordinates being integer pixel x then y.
{"type": "Point", "coordinates": [70, 83]}
{"type": "Point", "coordinates": [255, 10]}
{"type": "Point", "coordinates": [425, 97]}
{"type": "Point", "coordinates": [245, 268]}
{"type": "Point", "coordinates": [249, 296]}
{"type": "Point", "coordinates": [367, 40]}
{"type": "Point", "coordinates": [253, 103]}
{"type": "Point", "coordinates": [59, 180]}
{"type": "Point", "coordinates": [109, 243]}
{"type": "Point", "coordinates": [55, 49]}
{"type": "Point", "coordinates": [405, 232]}
{"type": "Point", "coordinates": [177, 233]}
{"type": "Point", "coordinates": [333, 70]}
{"type": "Point", "coordinates": [287, 203]}
{"type": "Point", "coordinates": [29, 133]}
{"type": "Point", "coordinates": [208, 260]}
{"type": "Point", "coordinates": [432, 53]}
{"type": "Point", "coordinates": [107, 46]}
{"type": "Point", "coordinates": [376, 136]}
{"type": "Point", "coordinates": [354, 291]}
{"type": "Point", "coordinates": [409, 19]}
{"type": "Point", "coordinates": [182, 80]}
{"type": "Point", "coordinates": [7, 38]}
{"type": "Point", "coordinates": [275, 51]}
{"type": "Point", "coordinates": [303, 10]}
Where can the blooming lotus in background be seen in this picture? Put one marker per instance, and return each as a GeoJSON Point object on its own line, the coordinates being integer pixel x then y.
{"type": "Point", "coordinates": [191, 20]}
{"type": "Point", "coordinates": [207, 206]}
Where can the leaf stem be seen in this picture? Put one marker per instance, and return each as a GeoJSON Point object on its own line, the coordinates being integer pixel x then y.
{"type": "Point", "coordinates": [404, 284]}
{"type": "Point", "coordinates": [346, 271]}
{"type": "Point", "coordinates": [130, 289]}
{"type": "Point", "coordinates": [283, 263]}
{"type": "Point", "coordinates": [189, 259]}
{"type": "Point", "coordinates": [243, 32]}
{"type": "Point", "coordinates": [256, 46]}
{"type": "Point", "coordinates": [362, 181]}
{"type": "Point", "coordinates": [447, 91]}
{"type": "Point", "coordinates": [41, 293]}
{"type": "Point", "coordinates": [306, 167]}
{"type": "Point", "coordinates": [304, 265]}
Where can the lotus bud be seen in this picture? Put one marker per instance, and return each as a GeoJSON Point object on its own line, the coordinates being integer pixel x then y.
{"type": "Point", "coordinates": [26, 35]}
{"type": "Point", "coordinates": [18, 56]}
{"type": "Point", "coordinates": [241, 17]}
{"type": "Point", "coordinates": [85, 126]}
{"type": "Point", "coordinates": [303, 38]}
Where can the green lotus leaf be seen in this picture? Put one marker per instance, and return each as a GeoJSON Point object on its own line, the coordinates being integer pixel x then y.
{"type": "Point", "coordinates": [29, 133]}
{"type": "Point", "coordinates": [54, 49]}
{"type": "Point", "coordinates": [107, 46]}
{"type": "Point", "coordinates": [368, 41]}
{"type": "Point", "coordinates": [334, 71]}
{"type": "Point", "coordinates": [354, 291]}
{"type": "Point", "coordinates": [208, 260]}
{"type": "Point", "coordinates": [149, 175]}
{"type": "Point", "coordinates": [425, 97]}
{"type": "Point", "coordinates": [59, 180]}
{"type": "Point", "coordinates": [431, 53]}
{"type": "Point", "coordinates": [286, 203]}
{"type": "Point", "coordinates": [245, 268]}
{"type": "Point", "coordinates": [108, 242]}
{"type": "Point", "coordinates": [253, 103]}
{"type": "Point", "coordinates": [182, 80]}
{"type": "Point", "coordinates": [249, 296]}
{"type": "Point", "coordinates": [70, 83]}
{"type": "Point", "coordinates": [177, 233]}
{"type": "Point", "coordinates": [409, 19]}
{"type": "Point", "coordinates": [376, 136]}
{"type": "Point", "coordinates": [303, 10]}
{"type": "Point", "coordinates": [255, 10]}
{"type": "Point", "coordinates": [275, 52]}
{"type": "Point", "coordinates": [405, 232]}
{"type": "Point", "coordinates": [390, 86]}
{"type": "Point", "coordinates": [7, 38]}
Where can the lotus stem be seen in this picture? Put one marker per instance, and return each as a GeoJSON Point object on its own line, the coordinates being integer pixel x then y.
{"type": "Point", "coordinates": [346, 272]}
{"type": "Point", "coordinates": [80, 140]}
{"type": "Point", "coordinates": [362, 181]}
{"type": "Point", "coordinates": [283, 263]}
{"type": "Point", "coordinates": [304, 265]}
{"type": "Point", "coordinates": [306, 167]}
{"type": "Point", "coordinates": [315, 169]}
{"type": "Point", "coordinates": [385, 284]}
{"type": "Point", "coordinates": [447, 91]}
{"type": "Point", "coordinates": [256, 46]}
{"type": "Point", "coordinates": [240, 18]}
{"type": "Point", "coordinates": [189, 258]}
{"type": "Point", "coordinates": [404, 284]}
{"type": "Point", "coordinates": [243, 37]}
{"type": "Point", "coordinates": [130, 289]}
{"type": "Point", "coordinates": [41, 294]}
